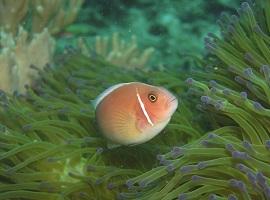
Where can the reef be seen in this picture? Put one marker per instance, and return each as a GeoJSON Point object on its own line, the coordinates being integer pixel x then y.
{"type": "Point", "coordinates": [37, 15]}
{"type": "Point", "coordinates": [26, 42]}
{"type": "Point", "coordinates": [117, 51]}
{"type": "Point", "coordinates": [20, 54]}
{"type": "Point", "coordinates": [173, 27]}
{"type": "Point", "coordinates": [51, 149]}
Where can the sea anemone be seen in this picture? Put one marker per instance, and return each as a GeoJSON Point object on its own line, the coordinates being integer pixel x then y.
{"type": "Point", "coordinates": [232, 161]}
{"type": "Point", "coordinates": [51, 149]}
{"type": "Point", "coordinates": [50, 146]}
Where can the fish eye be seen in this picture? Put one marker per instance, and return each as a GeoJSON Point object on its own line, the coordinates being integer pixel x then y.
{"type": "Point", "coordinates": [152, 97]}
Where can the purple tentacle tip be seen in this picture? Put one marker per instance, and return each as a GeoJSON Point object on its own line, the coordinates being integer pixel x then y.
{"type": "Point", "coordinates": [265, 69]}
{"type": "Point", "coordinates": [63, 111]}
{"type": "Point", "coordinates": [229, 147]}
{"type": "Point", "coordinates": [226, 91]}
{"type": "Point", "coordinates": [257, 29]}
{"type": "Point", "coordinates": [233, 182]}
{"type": "Point", "coordinates": [267, 192]}
{"type": "Point", "coordinates": [213, 83]}
{"type": "Point", "coordinates": [212, 197]}
{"type": "Point", "coordinates": [237, 184]}
{"type": "Point", "coordinates": [90, 168]}
{"type": "Point", "coordinates": [261, 179]}
{"type": "Point", "coordinates": [205, 99]}
{"type": "Point", "coordinates": [231, 29]}
{"type": "Point", "coordinates": [248, 57]}
{"type": "Point", "coordinates": [143, 184]}
{"type": "Point", "coordinates": [234, 18]}
{"type": "Point", "coordinates": [242, 186]}
{"type": "Point", "coordinates": [160, 157]}
{"type": "Point", "coordinates": [232, 197]}
{"type": "Point", "coordinates": [120, 196]}
{"type": "Point", "coordinates": [211, 35]}
{"type": "Point", "coordinates": [258, 106]}
{"type": "Point", "coordinates": [27, 127]}
{"type": "Point", "coordinates": [213, 90]}
{"type": "Point", "coordinates": [262, 68]}
{"type": "Point", "coordinates": [129, 184]}
{"type": "Point", "coordinates": [219, 105]}
{"type": "Point", "coordinates": [51, 159]}
{"type": "Point", "coordinates": [239, 79]}
{"type": "Point", "coordinates": [211, 135]}
{"type": "Point", "coordinates": [245, 5]}
{"type": "Point", "coordinates": [243, 95]}
{"type": "Point", "coordinates": [240, 155]}
{"type": "Point", "coordinates": [186, 169]}
{"type": "Point", "coordinates": [247, 145]}
{"type": "Point", "coordinates": [99, 181]}
{"type": "Point", "coordinates": [182, 196]}
{"type": "Point", "coordinates": [205, 143]}
{"type": "Point", "coordinates": [267, 144]}
{"type": "Point", "coordinates": [170, 168]}
{"type": "Point", "coordinates": [241, 167]}
{"type": "Point", "coordinates": [83, 195]}
{"type": "Point", "coordinates": [99, 150]}
{"type": "Point", "coordinates": [252, 178]}
{"type": "Point", "coordinates": [189, 81]}
{"type": "Point", "coordinates": [196, 178]}
{"type": "Point", "coordinates": [110, 186]}
{"type": "Point", "coordinates": [207, 40]}
{"type": "Point", "coordinates": [248, 72]}
{"type": "Point", "coordinates": [176, 151]}
{"type": "Point", "coordinates": [165, 162]}
{"type": "Point", "coordinates": [201, 165]}
{"type": "Point", "coordinates": [68, 90]}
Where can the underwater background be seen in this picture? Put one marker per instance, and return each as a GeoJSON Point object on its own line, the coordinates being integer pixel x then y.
{"type": "Point", "coordinates": [57, 56]}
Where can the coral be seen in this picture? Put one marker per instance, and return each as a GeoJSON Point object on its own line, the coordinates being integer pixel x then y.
{"type": "Point", "coordinates": [171, 27]}
{"type": "Point", "coordinates": [118, 52]}
{"type": "Point", "coordinates": [19, 55]}
{"type": "Point", "coordinates": [38, 14]}
{"type": "Point", "coordinates": [232, 161]}
{"type": "Point", "coordinates": [50, 146]}
{"type": "Point", "coordinates": [26, 28]}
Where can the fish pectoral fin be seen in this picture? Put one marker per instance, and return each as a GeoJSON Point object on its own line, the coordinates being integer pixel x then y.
{"type": "Point", "coordinates": [133, 144]}
{"type": "Point", "coordinates": [111, 145]}
{"type": "Point", "coordinates": [141, 124]}
{"type": "Point", "coordinates": [124, 123]}
{"type": "Point", "coordinates": [93, 103]}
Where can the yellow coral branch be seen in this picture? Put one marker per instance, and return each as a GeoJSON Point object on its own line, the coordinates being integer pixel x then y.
{"type": "Point", "coordinates": [118, 52]}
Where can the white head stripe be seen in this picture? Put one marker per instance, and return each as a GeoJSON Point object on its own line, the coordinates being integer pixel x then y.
{"type": "Point", "coordinates": [143, 108]}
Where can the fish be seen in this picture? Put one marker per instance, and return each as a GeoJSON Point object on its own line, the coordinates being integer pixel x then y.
{"type": "Point", "coordinates": [133, 113]}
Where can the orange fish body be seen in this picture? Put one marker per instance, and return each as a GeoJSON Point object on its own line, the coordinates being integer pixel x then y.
{"type": "Point", "coordinates": [133, 113]}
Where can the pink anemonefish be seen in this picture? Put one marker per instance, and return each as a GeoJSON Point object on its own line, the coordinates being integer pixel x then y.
{"type": "Point", "coordinates": [133, 113]}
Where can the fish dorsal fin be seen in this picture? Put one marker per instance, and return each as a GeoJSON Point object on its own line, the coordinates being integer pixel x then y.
{"type": "Point", "coordinates": [105, 93]}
